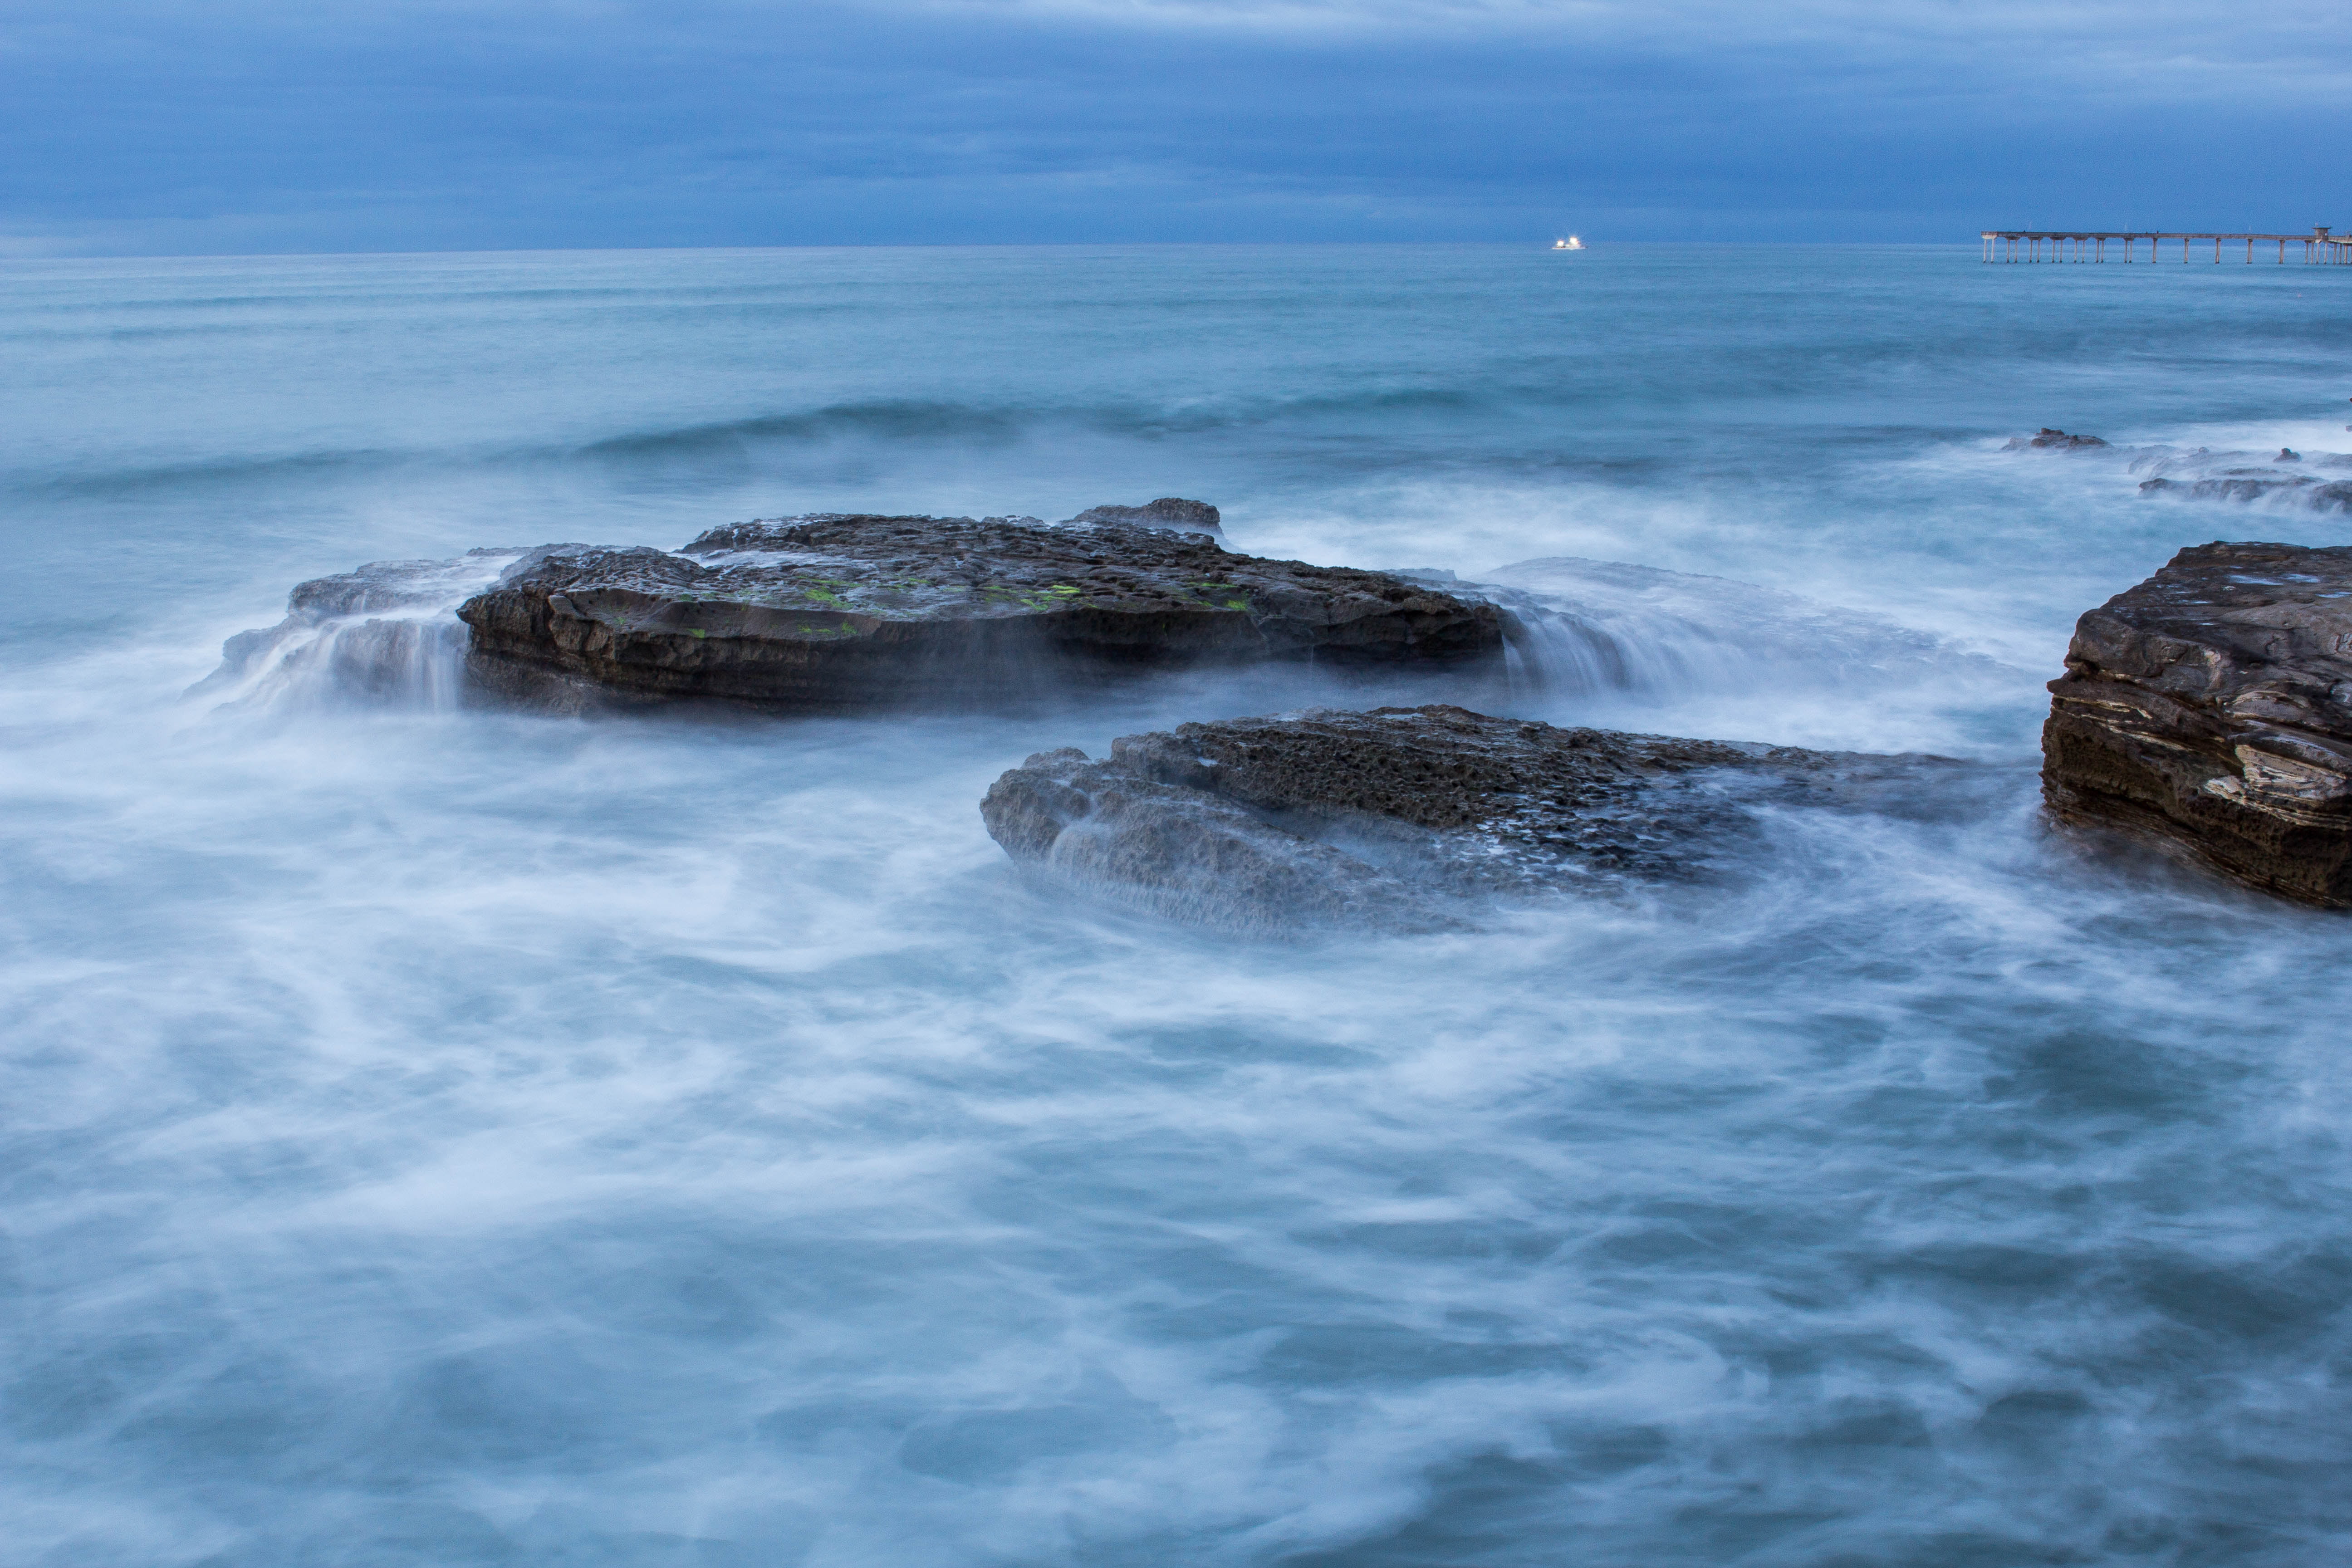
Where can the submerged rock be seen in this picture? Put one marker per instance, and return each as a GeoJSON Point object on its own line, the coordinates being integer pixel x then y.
{"type": "Point", "coordinates": [1398, 818]}
{"type": "Point", "coordinates": [2202, 474]}
{"type": "Point", "coordinates": [841, 612]}
{"type": "Point", "coordinates": [2053, 440]}
{"type": "Point", "coordinates": [2253, 485]}
{"type": "Point", "coordinates": [2212, 705]}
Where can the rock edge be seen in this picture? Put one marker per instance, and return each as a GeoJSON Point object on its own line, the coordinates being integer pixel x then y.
{"type": "Point", "coordinates": [1397, 819]}
{"type": "Point", "coordinates": [2211, 706]}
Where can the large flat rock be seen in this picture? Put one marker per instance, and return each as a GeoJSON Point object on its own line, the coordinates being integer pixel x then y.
{"type": "Point", "coordinates": [2212, 705]}
{"type": "Point", "coordinates": [1400, 818]}
{"type": "Point", "coordinates": [850, 612]}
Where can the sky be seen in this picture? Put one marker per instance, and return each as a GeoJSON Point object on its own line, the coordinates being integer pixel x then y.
{"type": "Point", "coordinates": [136, 127]}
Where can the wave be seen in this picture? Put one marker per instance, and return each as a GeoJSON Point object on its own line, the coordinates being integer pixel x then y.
{"type": "Point", "coordinates": [889, 420]}
{"type": "Point", "coordinates": [898, 419]}
{"type": "Point", "coordinates": [219, 471]}
{"type": "Point", "coordinates": [385, 636]}
{"type": "Point", "coordinates": [1609, 625]}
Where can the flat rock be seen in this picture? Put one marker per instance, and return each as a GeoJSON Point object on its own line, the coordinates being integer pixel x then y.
{"type": "Point", "coordinates": [2212, 705]}
{"type": "Point", "coordinates": [1400, 818]}
{"type": "Point", "coordinates": [839, 612]}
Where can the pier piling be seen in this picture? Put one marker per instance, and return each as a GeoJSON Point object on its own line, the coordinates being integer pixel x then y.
{"type": "Point", "coordinates": [2323, 247]}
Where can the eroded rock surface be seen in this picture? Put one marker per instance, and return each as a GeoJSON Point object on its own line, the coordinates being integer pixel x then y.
{"type": "Point", "coordinates": [2212, 705]}
{"type": "Point", "coordinates": [1400, 818]}
{"type": "Point", "coordinates": [841, 612]}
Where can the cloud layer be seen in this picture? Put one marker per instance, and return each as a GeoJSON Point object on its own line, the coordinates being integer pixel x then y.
{"type": "Point", "coordinates": [417, 125]}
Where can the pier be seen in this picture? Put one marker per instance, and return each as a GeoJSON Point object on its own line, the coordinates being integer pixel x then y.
{"type": "Point", "coordinates": [2323, 247]}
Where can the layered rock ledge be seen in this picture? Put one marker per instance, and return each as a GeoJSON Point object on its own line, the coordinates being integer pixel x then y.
{"type": "Point", "coordinates": [845, 612]}
{"type": "Point", "coordinates": [2212, 705]}
{"type": "Point", "coordinates": [1400, 818]}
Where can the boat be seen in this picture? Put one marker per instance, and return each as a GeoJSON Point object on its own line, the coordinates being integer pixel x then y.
{"type": "Point", "coordinates": [1571, 243]}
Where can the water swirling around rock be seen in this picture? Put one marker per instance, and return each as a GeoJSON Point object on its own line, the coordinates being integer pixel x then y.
{"type": "Point", "coordinates": [452, 1136]}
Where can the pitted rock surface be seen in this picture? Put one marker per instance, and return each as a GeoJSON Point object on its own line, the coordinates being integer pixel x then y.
{"type": "Point", "coordinates": [841, 611]}
{"type": "Point", "coordinates": [1400, 818]}
{"type": "Point", "coordinates": [2212, 705]}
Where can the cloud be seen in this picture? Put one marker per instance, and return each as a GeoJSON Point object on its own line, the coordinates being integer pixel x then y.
{"type": "Point", "coordinates": [427, 123]}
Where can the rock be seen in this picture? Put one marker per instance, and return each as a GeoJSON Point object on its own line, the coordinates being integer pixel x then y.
{"type": "Point", "coordinates": [1189, 854]}
{"type": "Point", "coordinates": [2211, 706]}
{"type": "Point", "coordinates": [1168, 511]}
{"type": "Point", "coordinates": [2202, 474]}
{"type": "Point", "coordinates": [2253, 485]}
{"type": "Point", "coordinates": [842, 612]}
{"type": "Point", "coordinates": [1398, 818]}
{"type": "Point", "coordinates": [2053, 440]}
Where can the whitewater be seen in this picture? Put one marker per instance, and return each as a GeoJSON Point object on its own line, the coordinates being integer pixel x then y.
{"type": "Point", "coordinates": [439, 1136]}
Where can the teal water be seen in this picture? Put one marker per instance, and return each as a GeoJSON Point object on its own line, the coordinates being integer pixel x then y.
{"type": "Point", "coordinates": [449, 1137]}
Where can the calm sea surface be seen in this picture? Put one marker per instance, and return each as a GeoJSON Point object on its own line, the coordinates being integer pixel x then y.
{"type": "Point", "coordinates": [444, 1138]}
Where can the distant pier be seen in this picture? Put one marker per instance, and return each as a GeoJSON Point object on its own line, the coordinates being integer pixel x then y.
{"type": "Point", "coordinates": [2321, 248]}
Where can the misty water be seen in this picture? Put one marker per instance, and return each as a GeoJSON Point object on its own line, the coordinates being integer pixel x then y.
{"type": "Point", "coordinates": [436, 1136]}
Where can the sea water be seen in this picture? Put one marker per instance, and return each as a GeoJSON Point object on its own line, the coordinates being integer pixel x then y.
{"type": "Point", "coordinates": [444, 1137]}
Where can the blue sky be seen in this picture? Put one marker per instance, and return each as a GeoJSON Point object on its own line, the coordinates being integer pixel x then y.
{"type": "Point", "coordinates": [266, 125]}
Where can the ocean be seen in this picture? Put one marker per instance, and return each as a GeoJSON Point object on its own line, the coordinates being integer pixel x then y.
{"type": "Point", "coordinates": [437, 1136]}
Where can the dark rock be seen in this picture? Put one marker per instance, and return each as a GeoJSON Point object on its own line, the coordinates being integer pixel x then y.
{"type": "Point", "coordinates": [2212, 705]}
{"type": "Point", "coordinates": [839, 612]}
{"type": "Point", "coordinates": [2053, 440]}
{"type": "Point", "coordinates": [1398, 818]}
{"type": "Point", "coordinates": [1168, 511]}
{"type": "Point", "coordinates": [2287, 455]}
